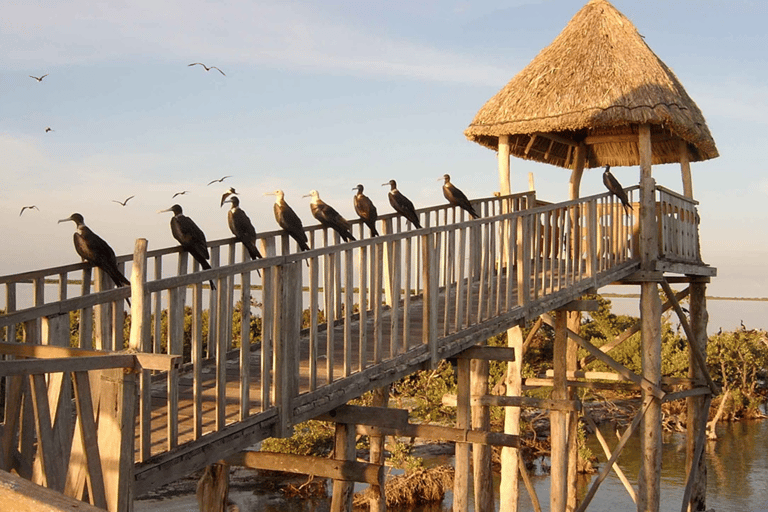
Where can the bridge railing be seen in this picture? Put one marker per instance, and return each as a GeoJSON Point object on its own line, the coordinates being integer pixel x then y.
{"type": "Point", "coordinates": [261, 338]}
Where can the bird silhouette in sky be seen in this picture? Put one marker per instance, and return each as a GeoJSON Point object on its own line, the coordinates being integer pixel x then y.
{"type": "Point", "coordinates": [219, 180]}
{"type": "Point", "coordinates": [207, 68]}
{"type": "Point", "coordinates": [39, 78]}
{"type": "Point", "coordinates": [123, 203]}
{"type": "Point", "coordinates": [180, 193]}
{"type": "Point", "coordinates": [28, 208]}
{"type": "Point", "coordinates": [48, 129]}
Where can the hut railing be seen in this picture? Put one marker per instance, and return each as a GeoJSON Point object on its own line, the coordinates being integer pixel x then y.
{"type": "Point", "coordinates": [678, 223]}
{"type": "Point", "coordinates": [290, 324]}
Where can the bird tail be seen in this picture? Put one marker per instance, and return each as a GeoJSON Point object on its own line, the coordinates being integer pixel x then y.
{"type": "Point", "coordinates": [473, 213]}
{"type": "Point", "coordinates": [372, 227]}
{"type": "Point", "coordinates": [253, 251]}
{"type": "Point", "coordinates": [303, 245]}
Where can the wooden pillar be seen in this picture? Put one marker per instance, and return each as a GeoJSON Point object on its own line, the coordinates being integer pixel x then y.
{"type": "Point", "coordinates": [481, 453]}
{"type": "Point", "coordinates": [503, 156]}
{"type": "Point", "coordinates": [378, 502]}
{"type": "Point", "coordinates": [696, 406]}
{"type": "Point", "coordinates": [648, 499]}
{"type": "Point", "coordinates": [341, 500]}
{"type": "Point", "coordinates": [116, 437]}
{"type": "Point", "coordinates": [461, 475]}
{"type": "Point", "coordinates": [571, 365]}
{"type": "Point", "coordinates": [213, 488]}
{"type": "Point", "coordinates": [510, 457]}
{"type": "Point", "coordinates": [574, 184]}
{"type": "Point", "coordinates": [685, 169]}
{"type": "Point", "coordinates": [559, 453]}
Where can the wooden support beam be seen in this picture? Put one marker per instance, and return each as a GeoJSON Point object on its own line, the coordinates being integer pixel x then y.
{"type": "Point", "coordinates": [373, 416]}
{"type": "Point", "coordinates": [488, 353]}
{"type": "Point", "coordinates": [618, 368]}
{"type": "Point", "coordinates": [518, 401]}
{"type": "Point", "coordinates": [213, 488]}
{"type": "Point", "coordinates": [345, 470]}
{"type": "Point", "coordinates": [147, 361]}
{"type": "Point", "coordinates": [441, 433]}
{"type": "Point", "coordinates": [461, 475]}
{"type": "Point", "coordinates": [512, 464]}
{"type": "Point", "coordinates": [481, 420]}
{"type": "Point", "coordinates": [344, 451]}
{"type": "Point", "coordinates": [701, 361]}
{"type": "Point", "coordinates": [580, 305]}
{"type": "Point", "coordinates": [693, 472]}
{"type": "Point", "coordinates": [607, 451]}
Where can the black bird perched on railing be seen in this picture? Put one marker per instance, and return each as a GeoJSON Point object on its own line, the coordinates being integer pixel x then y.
{"type": "Point", "coordinates": [613, 185]}
{"type": "Point", "coordinates": [190, 237]}
{"type": "Point", "coordinates": [329, 217]}
{"type": "Point", "coordinates": [456, 197]}
{"type": "Point", "coordinates": [288, 220]}
{"type": "Point", "coordinates": [366, 210]}
{"type": "Point", "coordinates": [93, 249]}
{"type": "Point", "coordinates": [241, 227]}
{"type": "Point", "coordinates": [402, 204]}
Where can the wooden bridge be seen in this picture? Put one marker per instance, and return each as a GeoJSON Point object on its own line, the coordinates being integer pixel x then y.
{"type": "Point", "coordinates": [286, 338]}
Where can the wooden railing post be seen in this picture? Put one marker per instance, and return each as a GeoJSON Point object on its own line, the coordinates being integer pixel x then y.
{"type": "Point", "coordinates": [523, 260]}
{"type": "Point", "coordinates": [288, 283]}
{"type": "Point", "coordinates": [430, 276]}
{"type": "Point", "coordinates": [140, 341]}
{"type": "Point", "coordinates": [116, 437]}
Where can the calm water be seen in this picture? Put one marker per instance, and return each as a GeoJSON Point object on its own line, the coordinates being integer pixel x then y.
{"type": "Point", "coordinates": [737, 469]}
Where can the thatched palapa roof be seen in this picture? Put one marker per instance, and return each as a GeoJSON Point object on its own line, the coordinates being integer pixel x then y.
{"type": "Point", "coordinates": [596, 83]}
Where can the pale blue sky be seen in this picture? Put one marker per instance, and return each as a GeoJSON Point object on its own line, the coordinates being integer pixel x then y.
{"type": "Point", "coordinates": [324, 95]}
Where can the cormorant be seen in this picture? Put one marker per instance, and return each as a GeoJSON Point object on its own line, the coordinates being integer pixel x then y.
{"type": "Point", "coordinates": [288, 220]}
{"type": "Point", "coordinates": [226, 194]}
{"type": "Point", "coordinates": [28, 208]}
{"type": "Point", "coordinates": [39, 78]}
{"type": "Point", "coordinates": [456, 197]}
{"type": "Point", "coordinates": [207, 68]}
{"type": "Point", "coordinates": [123, 203]}
{"type": "Point", "coordinates": [329, 217]}
{"type": "Point", "coordinates": [366, 210]}
{"type": "Point", "coordinates": [190, 237]}
{"type": "Point", "coordinates": [218, 180]}
{"type": "Point", "coordinates": [613, 185]}
{"type": "Point", "coordinates": [93, 249]}
{"type": "Point", "coordinates": [402, 204]}
{"type": "Point", "coordinates": [241, 227]}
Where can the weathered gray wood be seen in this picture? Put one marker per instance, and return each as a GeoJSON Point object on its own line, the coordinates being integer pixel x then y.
{"type": "Point", "coordinates": [461, 474]}
{"type": "Point", "coordinates": [558, 435]}
{"type": "Point", "coordinates": [607, 451]}
{"type": "Point", "coordinates": [343, 470]}
{"type": "Point", "coordinates": [511, 462]}
{"type": "Point", "coordinates": [213, 488]}
{"type": "Point", "coordinates": [87, 452]}
{"type": "Point", "coordinates": [481, 453]}
{"type": "Point", "coordinates": [518, 401]}
{"type": "Point", "coordinates": [373, 416]}
{"type": "Point", "coordinates": [488, 353]}
{"type": "Point", "coordinates": [341, 500]}
{"type": "Point", "coordinates": [378, 501]}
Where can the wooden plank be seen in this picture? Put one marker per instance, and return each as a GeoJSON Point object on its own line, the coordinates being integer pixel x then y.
{"type": "Point", "coordinates": [21, 495]}
{"type": "Point", "coordinates": [372, 416]}
{"type": "Point", "coordinates": [87, 437]}
{"type": "Point", "coordinates": [348, 305]}
{"type": "Point", "coordinates": [341, 500]}
{"type": "Point", "coordinates": [488, 353]}
{"type": "Point", "coordinates": [47, 451]}
{"type": "Point", "coordinates": [461, 464]}
{"type": "Point", "coordinates": [86, 363]}
{"type": "Point", "coordinates": [607, 451]}
{"type": "Point", "coordinates": [347, 470]}
{"type": "Point", "coordinates": [442, 433]}
{"type": "Point", "coordinates": [245, 342]}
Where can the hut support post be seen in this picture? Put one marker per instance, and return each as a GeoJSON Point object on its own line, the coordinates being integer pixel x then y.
{"type": "Point", "coordinates": [510, 457]}
{"type": "Point", "coordinates": [571, 365]}
{"type": "Point", "coordinates": [481, 453]}
{"type": "Point", "coordinates": [685, 169]}
{"type": "Point", "coordinates": [378, 502]}
{"type": "Point", "coordinates": [648, 499]}
{"type": "Point", "coordinates": [696, 406]}
{"type": "Point", "coordinates": [559, 470]}
{"type": "Point", "coordinates": [504, 182]}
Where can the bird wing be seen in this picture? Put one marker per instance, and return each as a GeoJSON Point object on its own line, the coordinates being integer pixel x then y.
{"type": "Point", "coordinates": [217, 69]}
{"type": "Point", "coordinates": [93, 249]}
{"type": "Point", "coordinates": [243, 229]}
{"type": "Point", "coordinates": [290, 222]}
{"type": "Point", "coordinates": [190, 236]}
{"type": "Point", "coordinates": [365, 208]}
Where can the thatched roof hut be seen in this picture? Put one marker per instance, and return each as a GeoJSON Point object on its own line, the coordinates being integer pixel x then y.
{"type": "Point", "coordinates": [595, 84]}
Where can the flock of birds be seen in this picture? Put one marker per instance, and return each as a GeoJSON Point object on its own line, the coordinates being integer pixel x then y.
{"type": "Point", "coordinates": [94, 250]}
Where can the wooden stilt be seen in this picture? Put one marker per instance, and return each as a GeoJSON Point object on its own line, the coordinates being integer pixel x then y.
{"type": "Point", "coordinates": [461, 477]}
{"type": "Point", "coordinates": [559, 472]}
{"type": "Point", "coordinates": [378, 502]}
{"type": "Point", "coordinates": [481, 453]}
{"type": "Point", "coordinates": [213, 488]}
{"type": "Point", "coordinates": [571, 356]}
{"type": "Point", "coordinates": [341, 500]}
{"type": "Point", "coordinates": [510, 457]}
{"type": "Point", "coordinates": [697, 407]}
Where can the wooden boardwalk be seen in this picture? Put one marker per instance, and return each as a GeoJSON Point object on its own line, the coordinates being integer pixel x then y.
{"type": "Point", "coordinates": [400, 302]}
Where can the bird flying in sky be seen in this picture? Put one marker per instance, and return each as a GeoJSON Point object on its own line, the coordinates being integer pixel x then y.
{"type": "Point", "coordinates": [123, 203]}
{"type": "Point", "coordinates": [28, 208]}
{"type": "Point", "coordinates": [207, 68]}
{"type": "Point", "coordinates": [39, 78]}
{"type": "Point", "coordinates": [218, 180]}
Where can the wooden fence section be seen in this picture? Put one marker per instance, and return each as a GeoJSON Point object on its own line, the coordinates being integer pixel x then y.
{"type": "Point", "coordinates": [285, 338]}
{"type": "Point", "coordinates": [678, 227]}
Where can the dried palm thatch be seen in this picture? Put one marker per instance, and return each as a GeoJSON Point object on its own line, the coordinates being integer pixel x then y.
{"type": "Point", "coordinates": [595, 84]}
{"type": "Point", "coordinates": [417, 487]}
